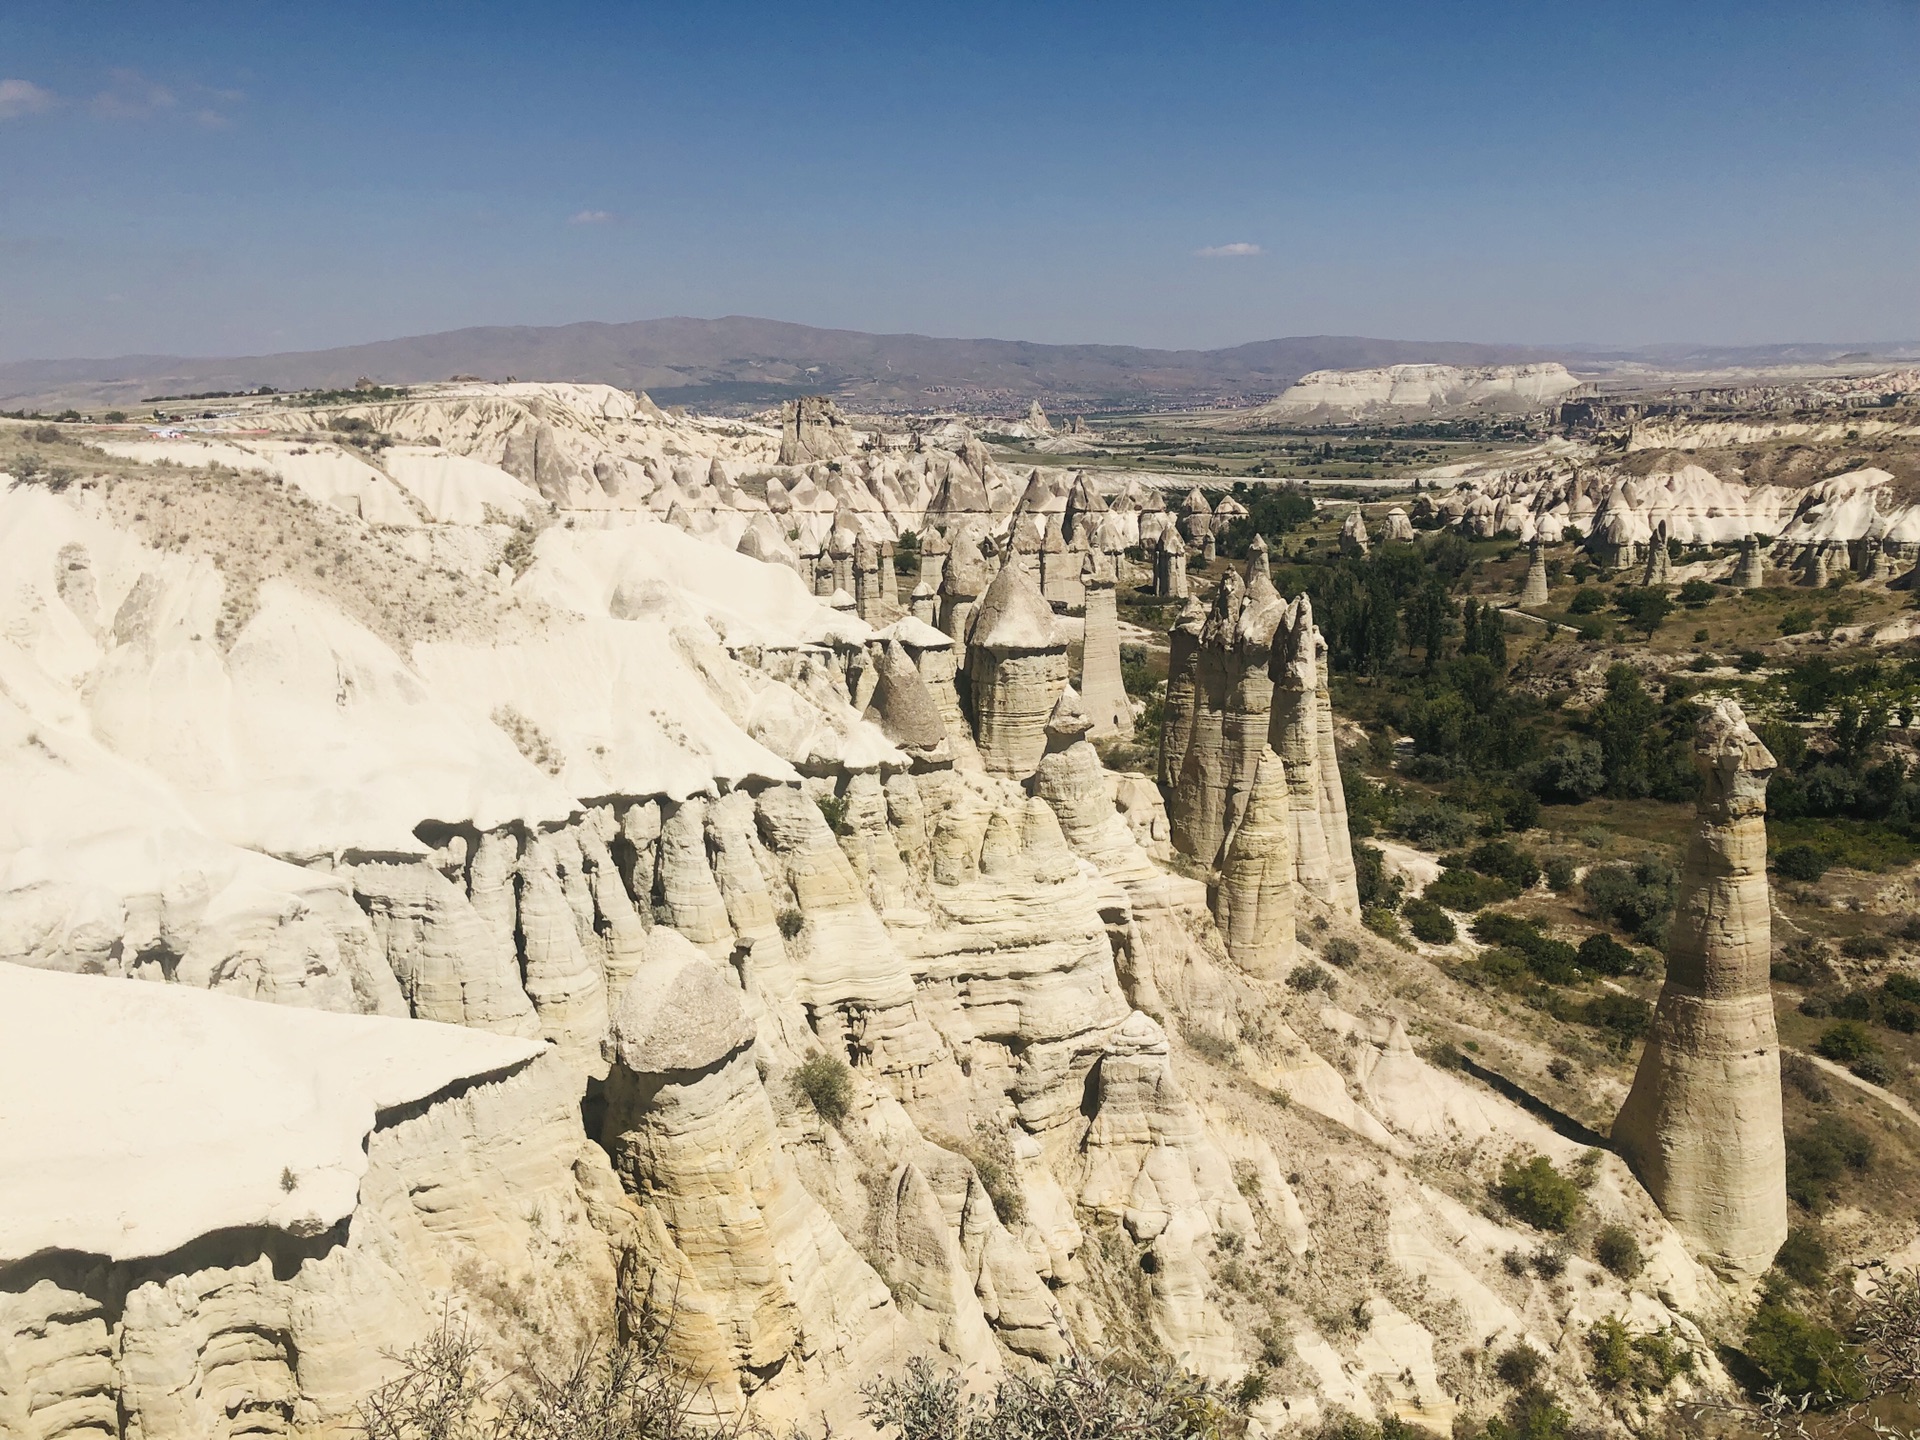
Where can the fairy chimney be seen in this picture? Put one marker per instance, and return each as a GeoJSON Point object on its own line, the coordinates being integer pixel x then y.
{"type": "Point", "coordinates": [1534, 590]}
{"type": "Point", "coordinates": [1702, 1125]}
{"type": "Point", "coordinates": [1017, 663]}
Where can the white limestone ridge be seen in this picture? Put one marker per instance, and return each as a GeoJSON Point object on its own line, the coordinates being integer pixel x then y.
{"type": "Point", "coordinates": [1403, 392]}
{"type": "Point", "coordinates": [1847, 517]}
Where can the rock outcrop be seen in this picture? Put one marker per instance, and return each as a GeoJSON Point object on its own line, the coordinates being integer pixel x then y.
{"type": "Point", "coordinates": [812, 429]}
{"type": "Point", "coordinates": [1102, 691]}
{"type": "Point", "coordinates": [1702, 1124]}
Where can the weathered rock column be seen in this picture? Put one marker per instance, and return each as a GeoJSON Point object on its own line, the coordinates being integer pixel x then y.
{"type": "Point", "coordinates": [1343, 878]}
{"type": "Point", "coordinates": [1170, 566]}
{"type": "Point", "coordinates": [1353, 533]}
{"type": "Point", "coordinates": [866, 579]}
{"type": "Point", "coordinates": [1254, 902]}
{"type": "Point", "coordinates": [1293, 734]}
{"type": "Point", "coordinates": [1659, 569]}
{"type": "Point", "coordinates": [1534, 590]}
{"type": "Point", "coordinates": [1702, 1124]}
{"type": "Point", "coordinates": [1101, 688]}
{"type": "Point", "coordinates": [1752, 573]}
{"type": "Point", "coordinates": [1018, 665]}
{"type": "Point", "coordinates": [961, 583]}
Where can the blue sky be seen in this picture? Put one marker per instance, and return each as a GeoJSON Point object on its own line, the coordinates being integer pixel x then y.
{"type": "Point", "coordinates": [222, 178]}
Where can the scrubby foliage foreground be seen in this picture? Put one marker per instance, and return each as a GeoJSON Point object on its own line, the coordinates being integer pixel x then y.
{"type": "Point", "coordinates": [631, 1393]}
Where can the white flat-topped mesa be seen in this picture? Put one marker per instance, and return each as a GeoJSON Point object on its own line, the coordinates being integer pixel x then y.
{"type": "Point", "coordinates": [178, 1113]}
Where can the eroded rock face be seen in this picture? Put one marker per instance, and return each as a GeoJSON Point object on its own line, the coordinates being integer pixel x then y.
{"type": "Point", "coordinates": [1254, 903]}
{"type": "Point", "coordinates": [811, 429]}
{"type": "Point", "coordinates": [766, 1277]}
{"type": "Point", "coordinates": [1702, 1125]}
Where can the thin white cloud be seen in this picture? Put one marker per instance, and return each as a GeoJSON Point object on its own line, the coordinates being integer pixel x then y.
{"type": "Point", "coordinates": [1228, 252]}
{"type": "Point", "coordinates": [23, 97]}
{"type": "Point", "coordinates": [132, 96]}
{"type": "Point", "coordinates": [591, 217]}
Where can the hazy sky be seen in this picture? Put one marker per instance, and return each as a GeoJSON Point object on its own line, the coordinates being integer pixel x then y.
{"type": "Point", "coordinates": [223, 178]}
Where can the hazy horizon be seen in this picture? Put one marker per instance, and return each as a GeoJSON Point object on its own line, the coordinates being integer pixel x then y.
{"type": "Point", "coordinates": [231, 181]}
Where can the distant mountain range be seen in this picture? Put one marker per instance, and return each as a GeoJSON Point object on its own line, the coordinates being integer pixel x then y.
{"type": "Point", "coordinates": [739, 363]}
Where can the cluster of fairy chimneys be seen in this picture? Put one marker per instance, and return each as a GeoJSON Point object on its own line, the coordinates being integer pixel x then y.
{"type": "Point", "coordinates": [1872, 560]}
{"type": "Point", "coordinates": [1248, 763]}
{"type": "Point", "coordinates": [1169, 537]}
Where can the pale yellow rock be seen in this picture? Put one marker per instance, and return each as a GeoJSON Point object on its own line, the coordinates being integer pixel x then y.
{"type": "Point", "coordinates": [686, 879]}
{"type": "Point", "coordinates": [927, 1273]}
{"type": "Point", "coordinates": [1533, 590]}
{"type": "Point", "coordinates": [1342, 879]}
{"type": "Point", "coordinates": [566, 984]}
{"type": "Point", "coordinates": [1254, 903]}
{"type": "Point", "coordinates": [1147, 1160]}
{"type": "Point", "coordinates": [449, 966]}
{"type": "Point", "coordinates": [1019, 667]}
{"type": "Point", "coordinates": [1294, 736]}
{"type": "Point", "coordinates": [1102, 692]}
{"type": "Point", "coordinates": [1702, 1125]}
{"type": "Point", "coordinates": [692, 1133]}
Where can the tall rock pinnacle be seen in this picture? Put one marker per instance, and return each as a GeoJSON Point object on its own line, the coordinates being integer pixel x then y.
{"type": "Point", "coordinates": [1702, 1124]}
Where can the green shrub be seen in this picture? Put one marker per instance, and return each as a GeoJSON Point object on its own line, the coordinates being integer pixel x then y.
{"type": "Point", "coordinates": [1802, 1356]}
{"type": "Point", "coordinates": [1636, 898]}
{"type": "Point", "coordinates": [1586, 600]}
{"type": "Point", "coordinates": [1695, 593]}
{"type": "Point", "coordinates": [1559, 872]}
{"type": "Point", "coordinates": [1519, 1365]}
{"type": "Point", "coordinates": [1818, 1162]}
{"type": "Point", "coordinates": [826, 1083]}
{"type": "Point", "coordinates": [1428, 922]}
{"type": "Point", "coordinates": [1534, 1191]}
{"type": "Point", "coordinates": [1308, 978]}
{"type": "Point", "coordinates": [1644, 606]}
{"type": "Point", "coordinates": [1845, 1042]}
{"type": "Point", "coordinates": [1803, 1257]}
{"type": "Point", "coordinates": [1798, 621]}
{"type": "Point", "coordinates": [1340, 951]}
{"type": "Point", "coordinates": [1616, 1249]}
{"type": "Point", "coordinates": [834, 809]}
{"type": "Point", "coordinates": [1075, 1397]}
{"type": "Point", "coordinates": [1431, 824]}
{"type": "Point", "coordinates": [1503, 860]}
{"type": "Point", "coordinates": [1624, 1018]}
{"type": "Point", "coordinates": [1800, 862]}
{"type": "Point", "coordinates": [1381, 921]}
{"type": "Point", "coordinates": [791, 923]}
{"type": "Point", "coordinates": [1459, 888]}
{"type": "Point", "coordinates": [1873, 1069]}
{"type": "Point", "coordinates": [1377, 887]}
{"type": "Point", "coordinates": [1552, 960]}
{"type": "Point", "coordinates": [1603, 955]}
{"type": "Point", "coordinates": [1611, 1367]}
{"type": "Point", "coordinates": [991, 1155]}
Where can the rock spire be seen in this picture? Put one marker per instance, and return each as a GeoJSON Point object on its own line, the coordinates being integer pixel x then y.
{"type": "Point", "coordinates": [1702, 1124]}
{"type": "Point", "coordinates": [1659, 569]}
{"type": "Point", "coordinates": [1534, 590]}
